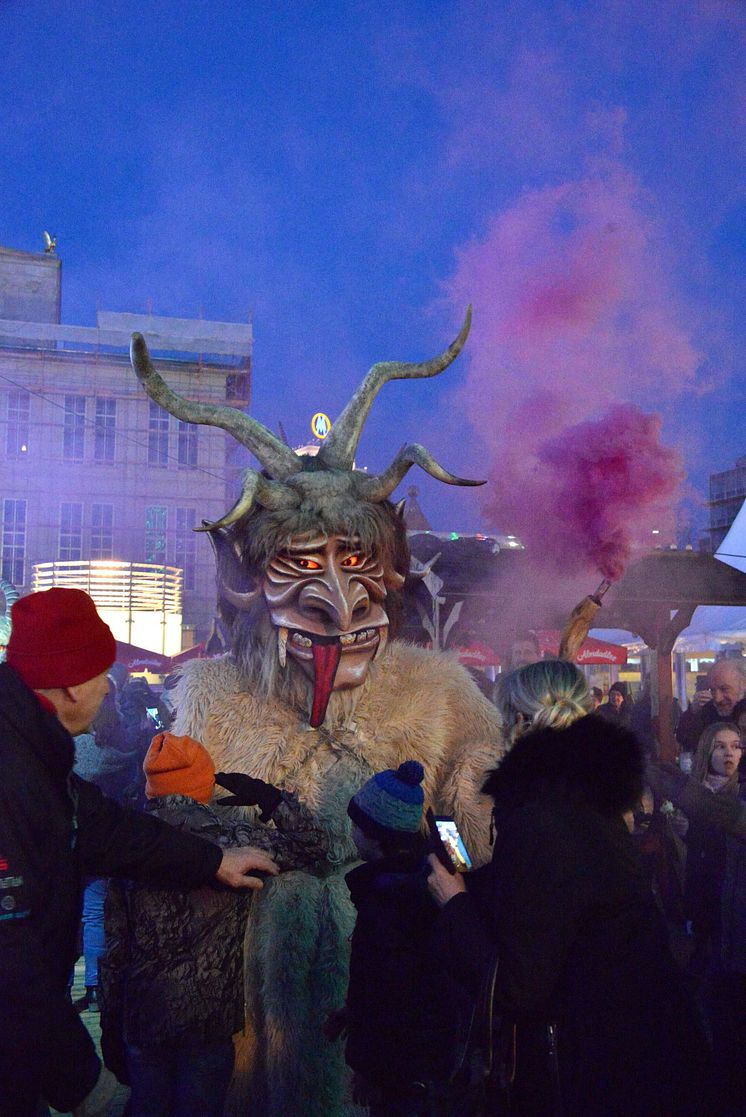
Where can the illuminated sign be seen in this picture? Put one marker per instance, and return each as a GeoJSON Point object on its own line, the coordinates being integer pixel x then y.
{"type": "Point", "coordinates": [321, 424]}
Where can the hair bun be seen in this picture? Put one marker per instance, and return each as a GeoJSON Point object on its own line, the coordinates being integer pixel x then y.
{"type": "Point", "coordinates": [411, 773]}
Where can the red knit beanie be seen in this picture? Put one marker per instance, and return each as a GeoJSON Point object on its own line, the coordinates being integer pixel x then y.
{"type": "Point", "coordinates": [58, 639]}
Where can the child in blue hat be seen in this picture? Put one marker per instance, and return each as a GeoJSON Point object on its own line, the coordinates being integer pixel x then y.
{"type": "Point", "coordinates": [397, 1033]}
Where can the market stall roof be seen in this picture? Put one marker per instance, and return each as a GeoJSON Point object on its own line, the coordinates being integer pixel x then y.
{"type": "Point", "coordinates": [477, 654]}
{"type": "Point", "coordinates": [197, 651]}
{"type": "Point", "coordinates": [591, 651]}
{"type": "Point", "coordinates": [140, 659]}
{"type": "Point", "coordinates": [671, 580]}
{"type": "Point", "coordinates": [657, 598]}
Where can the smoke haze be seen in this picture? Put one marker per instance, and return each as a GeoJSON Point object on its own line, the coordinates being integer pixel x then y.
{"type": "Point", "coordinates": [587, 494]}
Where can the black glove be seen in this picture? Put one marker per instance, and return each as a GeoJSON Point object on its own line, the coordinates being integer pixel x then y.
{"type": "Point", "coordinates": [248, 792]}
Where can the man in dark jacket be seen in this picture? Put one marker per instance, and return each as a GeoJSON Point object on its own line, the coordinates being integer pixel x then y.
{"type": "Point", "coordinates": [727, 680]}
{"type": "Point", "coordinates": [56, 829]}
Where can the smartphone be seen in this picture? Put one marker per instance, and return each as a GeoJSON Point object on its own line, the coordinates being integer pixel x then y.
{"type": "Point", "coordinates": [702, 683]}
{"type": "Point", "coordinates": [154, 716]}
{"type": "Point", "coordinates": [448, 845]}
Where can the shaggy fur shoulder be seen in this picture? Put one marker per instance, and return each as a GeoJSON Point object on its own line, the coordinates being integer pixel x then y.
{"type": "Point", "coordinates": [415, 704]}
{"type": "Point", "coordinates": [201, 683]}
{"type": "Point", "coordinates": [591, 763]}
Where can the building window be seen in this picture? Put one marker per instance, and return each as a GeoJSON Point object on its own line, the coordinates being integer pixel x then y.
{"type": "Point", "coordinates": [73, 440]}
{"type": "Point", "coordinates": [157, 435]}
{"type": "Point", "coordinates": [16, 438]}
{"type": "Point", "coordinates": [14, 541]}
{"type": "Point", "coordinates": [187, 443]}
{"type": "Point", "coordinates": [185, 546]}
{"type": "Point", "coordinates": [71, 532]}
{"type": "Point", "coordinates": [106, 420]}
{"type": "Point", "coordinates": [237, 386]}
{"type": "Point", "coordinates": [102, 531]}
{"type": "Point", "coordinates": [155, 534]}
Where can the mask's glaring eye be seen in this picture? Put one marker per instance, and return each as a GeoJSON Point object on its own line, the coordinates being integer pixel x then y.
{"type": "Point", "coordinates": [351, 560]}
{"type": "Point", "coordinates": [308, 564]}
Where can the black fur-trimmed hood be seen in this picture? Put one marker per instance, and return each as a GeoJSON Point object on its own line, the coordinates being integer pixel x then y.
{"type": "Point", "coordinates": [592, 763]}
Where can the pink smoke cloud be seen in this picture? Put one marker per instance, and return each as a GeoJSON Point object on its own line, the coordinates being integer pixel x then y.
{"type": "Point", "coordinates": [589, 494]}
{"type": "Point", "coordinates": [569, 293]}
{"type": "Point", "coordinates": [572, 317]}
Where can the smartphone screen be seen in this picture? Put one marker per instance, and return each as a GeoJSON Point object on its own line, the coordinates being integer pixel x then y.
{"type": "Point", "coordinates": [454, 843]}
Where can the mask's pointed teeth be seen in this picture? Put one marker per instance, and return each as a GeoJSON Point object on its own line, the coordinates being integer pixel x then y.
{"type": "Point", "coordinates": [282, 645]}
{"type": "Point", "coordinates": [383, 639]}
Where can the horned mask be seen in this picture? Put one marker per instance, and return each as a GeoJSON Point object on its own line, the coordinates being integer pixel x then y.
{"type": "Point", "coordinates": [312, 556]}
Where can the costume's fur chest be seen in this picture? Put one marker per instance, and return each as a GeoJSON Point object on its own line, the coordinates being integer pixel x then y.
{"type": "Point", "coordinates": [415, 704]}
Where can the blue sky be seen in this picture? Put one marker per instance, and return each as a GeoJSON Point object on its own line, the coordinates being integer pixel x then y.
{"type": "Point", "coordinates": [350, 174]}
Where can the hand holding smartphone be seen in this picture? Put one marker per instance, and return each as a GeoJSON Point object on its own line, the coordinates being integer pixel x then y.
{"type": "Point", "coordinates": [447, 843]}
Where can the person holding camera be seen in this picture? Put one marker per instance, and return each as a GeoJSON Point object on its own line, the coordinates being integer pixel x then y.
{"type": "Point", "coordinates": [723, 700]}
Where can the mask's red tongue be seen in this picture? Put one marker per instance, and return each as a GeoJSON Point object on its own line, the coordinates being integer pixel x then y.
{"type": "Point", "coordinates": [325, 663]}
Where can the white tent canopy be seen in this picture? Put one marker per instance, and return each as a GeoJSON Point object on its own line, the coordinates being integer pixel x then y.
{"type": "Point", "coordinates": [711, 627]}
{"type": "Point", "coordinates": [732, 550]}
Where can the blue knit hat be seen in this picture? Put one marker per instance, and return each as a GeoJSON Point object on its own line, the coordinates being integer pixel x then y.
{"type": "Point", "coordinates": [390, 803]}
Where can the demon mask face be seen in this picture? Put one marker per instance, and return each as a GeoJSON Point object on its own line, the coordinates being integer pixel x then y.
{"type": "Point", "coordinates": [312, 555]}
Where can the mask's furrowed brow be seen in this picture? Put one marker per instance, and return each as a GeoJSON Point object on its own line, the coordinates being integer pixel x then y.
{"type": "Point", "coordinates": [305, 546]}
{"type": "Point", "coordinates": [318, 543]}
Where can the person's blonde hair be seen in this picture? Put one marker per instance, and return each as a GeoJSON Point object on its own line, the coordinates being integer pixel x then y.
{"type": "Point", "coordinates": [548, 694]}
{"type": "Point", "coordinates": [706, 747]}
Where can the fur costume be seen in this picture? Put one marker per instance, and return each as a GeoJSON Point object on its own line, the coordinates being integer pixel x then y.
{"type": "Point", "coordinates": [415, 704]}
{"type": "Point", "coordinates": [316, 698]}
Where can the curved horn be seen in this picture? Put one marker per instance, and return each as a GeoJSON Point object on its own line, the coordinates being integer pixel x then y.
{"type": "Point", "coordinates": [382, 486]}
{"type": "Point", "coordinates": [270, 494]}
{"type": "Point", "coordinates": [338, 451]}
{"type": "Point", "coordinates": [277, 458]}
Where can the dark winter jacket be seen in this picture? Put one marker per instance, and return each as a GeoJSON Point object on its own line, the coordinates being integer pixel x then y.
{"type": "Point", "coordinates": [581, 941]}
{"type": "Point", "coordinates": [726, 813]}
{"type": "Point", "coordinates": [401, 1017]}
{"type": "Point", "coordinates": [617, 715]}
{"type": "Point", "coordinates": [705, 869]}
{"type": "Point", "coordinates": [55, 829]}
{"type": "Point", "coordinates": [733, 900]}
{"type": "Point", "coordinates": [694, 721]}
{"type": "Point", "coordinates": [173, 967]}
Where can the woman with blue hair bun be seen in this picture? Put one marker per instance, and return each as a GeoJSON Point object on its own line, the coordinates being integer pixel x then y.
{"type": "Point", "coordinates": [603, 1023]}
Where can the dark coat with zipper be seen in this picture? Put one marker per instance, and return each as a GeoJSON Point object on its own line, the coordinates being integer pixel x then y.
{"type": "Point", "coordinates": [581, 941]}
{"type": "Point", "coordinates": [56, 829]}
{"type": "Point", "coordinates": [402, 1016]}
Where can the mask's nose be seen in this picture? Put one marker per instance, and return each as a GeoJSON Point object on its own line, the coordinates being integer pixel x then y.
{"type": "Point", "coordinates": [335, 601]}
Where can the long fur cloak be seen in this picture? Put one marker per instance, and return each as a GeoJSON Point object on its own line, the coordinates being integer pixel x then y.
{"type": "Point", "coordinates": [415, 704]}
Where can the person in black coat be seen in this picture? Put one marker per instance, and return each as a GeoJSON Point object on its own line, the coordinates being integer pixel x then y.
{"type": "Point", "coordinates": [398, 1014]}
{"type": "Point", "coordinates": [604, 1024]}
{"type": "Point", "coordinates": [55, 829]}
{"type": "Point", "coordinates": [618, 706]}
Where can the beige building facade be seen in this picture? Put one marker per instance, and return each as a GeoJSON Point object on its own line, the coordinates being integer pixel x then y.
{"type": "Point", "coordinates": [90, 469]}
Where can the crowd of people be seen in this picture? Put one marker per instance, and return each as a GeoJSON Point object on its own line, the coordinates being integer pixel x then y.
{"type": "Point", "coordinates": [558, 949]}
